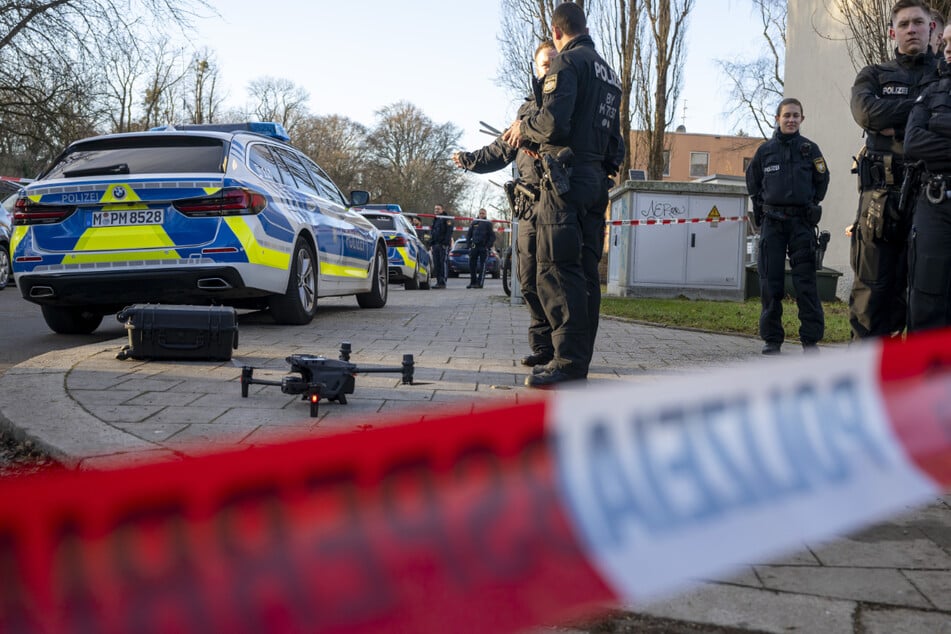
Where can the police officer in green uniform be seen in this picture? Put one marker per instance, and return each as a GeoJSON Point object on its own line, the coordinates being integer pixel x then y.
{"type": "Point", "coordinates": [577, 128]}
{"type": "Point", "coordinates": [787, 179]}
{"type": "Point", "coordinates": [882, 98]}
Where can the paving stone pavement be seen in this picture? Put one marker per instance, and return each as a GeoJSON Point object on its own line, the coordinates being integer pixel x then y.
{"type": "Point", "coordinates": [97, 411]}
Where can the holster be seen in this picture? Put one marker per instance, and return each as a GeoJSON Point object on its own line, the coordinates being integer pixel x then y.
{"type": "Point", "coordinates": [881, 216]}
{"type": "Point", "coordinates": [556, 171]}
{"type": "Point", "coordinates": [522, 198]}
{"type": "Point", "coordinates": [910, 187]}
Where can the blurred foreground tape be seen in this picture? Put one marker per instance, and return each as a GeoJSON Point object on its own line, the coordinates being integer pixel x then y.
{"type": "Point", "coordinates": [487, 522]}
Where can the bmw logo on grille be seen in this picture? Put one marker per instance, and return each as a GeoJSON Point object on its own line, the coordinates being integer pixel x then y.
{"type": "Point", "coordinates": [118, 192]}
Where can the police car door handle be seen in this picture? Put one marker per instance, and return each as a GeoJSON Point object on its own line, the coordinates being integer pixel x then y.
{"type": "Point", "coordinates": [693, 240]}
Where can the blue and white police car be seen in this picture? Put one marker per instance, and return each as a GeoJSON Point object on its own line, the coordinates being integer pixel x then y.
{"type": "Point", "coordinates": [408, 257]}
{"type": "Point", "coordinates": [197, 214]}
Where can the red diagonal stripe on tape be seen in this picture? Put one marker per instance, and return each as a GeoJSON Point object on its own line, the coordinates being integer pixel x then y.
{"type": "Point", "coordinates": [916, 388]}
{"type": "Point", "coordinates": [452, 524]}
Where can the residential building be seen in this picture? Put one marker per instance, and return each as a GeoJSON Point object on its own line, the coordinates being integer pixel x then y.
{"type": "Point", "coordinates": [691, 156]}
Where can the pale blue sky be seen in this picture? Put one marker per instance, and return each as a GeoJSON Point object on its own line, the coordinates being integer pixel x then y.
{"type": "Point", "coordinates": [358, 56]}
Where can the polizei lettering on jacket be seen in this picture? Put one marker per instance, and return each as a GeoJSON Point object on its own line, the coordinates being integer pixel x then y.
{"type": "Point", "coordinates": [894, 90]}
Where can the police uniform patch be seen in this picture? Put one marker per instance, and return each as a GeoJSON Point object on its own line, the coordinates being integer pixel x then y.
{"type": "Point", "coordinates": [820, 164]}
{"type": "Point", "coordinates": [551, 81]}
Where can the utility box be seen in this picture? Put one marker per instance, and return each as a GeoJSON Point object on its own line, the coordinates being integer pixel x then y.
{"type": "Point", "coordinates": [668, 239]}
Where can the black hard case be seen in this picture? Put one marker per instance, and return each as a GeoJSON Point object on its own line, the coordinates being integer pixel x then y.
{"type": "Point", "coordinates": [157, 331]}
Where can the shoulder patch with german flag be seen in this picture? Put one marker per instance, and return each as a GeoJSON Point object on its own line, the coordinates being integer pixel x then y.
{"type": "Point", "coordinates": [820, 164]}
{"type": "Point", "coordinates": [551, 82]}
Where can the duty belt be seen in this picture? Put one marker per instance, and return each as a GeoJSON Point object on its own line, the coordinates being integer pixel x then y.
{"type": "Point", "coordinates": [788, 210]}
{"type": "Point", "coordinates": [893, 164]}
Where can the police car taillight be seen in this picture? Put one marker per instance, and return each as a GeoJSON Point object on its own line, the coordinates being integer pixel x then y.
{"type": "Point", "coordinates": [227, 202]}
{"type": "Point", "coordinates": [396, 241]}
{"type": "Point", "coordinates": [27, 212]}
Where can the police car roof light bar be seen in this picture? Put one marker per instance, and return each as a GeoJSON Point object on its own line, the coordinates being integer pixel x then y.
{"type": "Point", "coordinates": [267, 128]}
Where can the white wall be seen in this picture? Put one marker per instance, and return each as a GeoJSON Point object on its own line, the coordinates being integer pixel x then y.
{"type": "Point", "coordinates": [820, 74]}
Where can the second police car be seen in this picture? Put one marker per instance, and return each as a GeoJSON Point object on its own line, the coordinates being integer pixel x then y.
{"type": "Point", "coordinates": [202, 214]}
{"type": "Point", "coordinates": [408, 256]}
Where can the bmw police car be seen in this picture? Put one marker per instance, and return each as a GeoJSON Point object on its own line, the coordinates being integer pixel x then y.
{"type": "Point", "coordinates": [199, 214]}
{"type": "Point", "coordinates": [409, 259]}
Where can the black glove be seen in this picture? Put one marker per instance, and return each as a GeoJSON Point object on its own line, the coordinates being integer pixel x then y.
{"type": "Point", "coordinates": [757, 219]}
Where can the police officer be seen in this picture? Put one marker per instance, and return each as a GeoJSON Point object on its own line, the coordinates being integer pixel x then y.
{"type": "Point", "coordinates": [480, 237]}
{"type": "Point", "coordinates": [577, 126]}
{"type": "Point", "coordinates": [787, 179]}
{"type": "Point", "coordinates": [882, 97]}
{"type": "Point", "coordinates": [494, 157]}
{"type": "Point", "coordinates": [928, 138]}
{"type": "Point", "coordinates": [440, 238]}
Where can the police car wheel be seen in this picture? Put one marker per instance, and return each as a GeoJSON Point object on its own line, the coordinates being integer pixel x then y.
{"type": "Point", "coordinates": [4, 266]}
{"type": "Point", "coordinates": [412, 283]}
{"type": "Point", "coordinates": [376, 297]}
{"type": "Point", "coordinates": [298, 305]}
{"type": "Point", "coordinates": [71, 320]}
{"type": "Point", "coordinates": [424, 284]}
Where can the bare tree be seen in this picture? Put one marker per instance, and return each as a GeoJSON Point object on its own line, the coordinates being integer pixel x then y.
{"type": "Point", "coordinates": [337, 144]}
{"type": "Point", "coordinates": [757, 84]}
{"type": "Point", "coordinates": [162, 93]}
{"type": "Point", "coordinates": [125, 66]}
{"type": "Point", "coordinates": [204, 99]}
{"type": "Point", "coordinates": [620, 21]}
{"type": "Point", "coordinates": [408, 159]}
{"type": "Point", "coordinates": [56, 56]}
{"type": "Point", "coordinates": [278, 99]}
{"type": "Point", "coordinates": [659, 62]}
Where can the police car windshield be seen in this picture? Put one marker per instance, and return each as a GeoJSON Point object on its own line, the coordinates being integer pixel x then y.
{"type": "Point", "coordinates": [382, 222]}
{"type": "Point", "coordinates": [141, 155]}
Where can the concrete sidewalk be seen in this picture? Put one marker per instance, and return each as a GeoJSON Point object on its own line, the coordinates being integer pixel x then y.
{"type": "Point", "coordinates": [89, 410]}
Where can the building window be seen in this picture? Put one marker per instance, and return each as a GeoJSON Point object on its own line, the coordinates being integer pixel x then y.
{"type": "Point", "coordinates": [666, 162]}
{"type": "Point", "coordinates": [699, 162]}
{"type": "Point", "coordinates": [746, 162]}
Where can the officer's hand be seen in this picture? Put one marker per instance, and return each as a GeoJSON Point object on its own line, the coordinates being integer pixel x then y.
{"type": "Point", "coordinates": [513, 136]}
{"type": "Point", "coordinates": [887, 132]}
{"type": "Point", "coordinates": [757, 220]}
{"type": "Point", "coordinates": [457, 159]}
{"type": "Point", "coordinates": [848, 230]}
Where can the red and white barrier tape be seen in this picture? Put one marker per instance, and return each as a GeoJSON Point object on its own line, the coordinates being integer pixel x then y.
{"type": "Point", "coordinates": [489, 521]}
{"type": "Point", "coordinates": [674, 221]}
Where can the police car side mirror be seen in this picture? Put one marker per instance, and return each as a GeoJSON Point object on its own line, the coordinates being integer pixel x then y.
{"type": "Point", "coordinates": [358, 198]}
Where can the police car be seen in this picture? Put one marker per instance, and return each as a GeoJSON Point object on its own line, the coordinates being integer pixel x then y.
{"type": "Point", "coordinates": [199, 214]}
{"type": "Point", "coordinates": [409, 260]}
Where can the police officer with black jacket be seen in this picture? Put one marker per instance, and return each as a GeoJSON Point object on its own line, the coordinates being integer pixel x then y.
{"type": "Point", "coordinates": [577, 128]}
{"type": "Point", "coordinates": [882, 98]}
{"type": "Point", "coordinates": [787, 179]}
{"type": "Point", "coordinates": [928, 139]}
{"type": "Point", "coordinates": [440, 239]}
{"type": "Point", "coordinates": [480, 237]}
{"type": "Point", "coordinates": [494, 157]}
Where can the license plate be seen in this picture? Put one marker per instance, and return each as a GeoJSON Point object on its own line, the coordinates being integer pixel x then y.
{"type": "Point", "coordinates": [128, 217]}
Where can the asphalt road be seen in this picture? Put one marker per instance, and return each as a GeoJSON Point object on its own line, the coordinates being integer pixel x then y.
{"type": "Point", "coordinates": [26, 335]}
